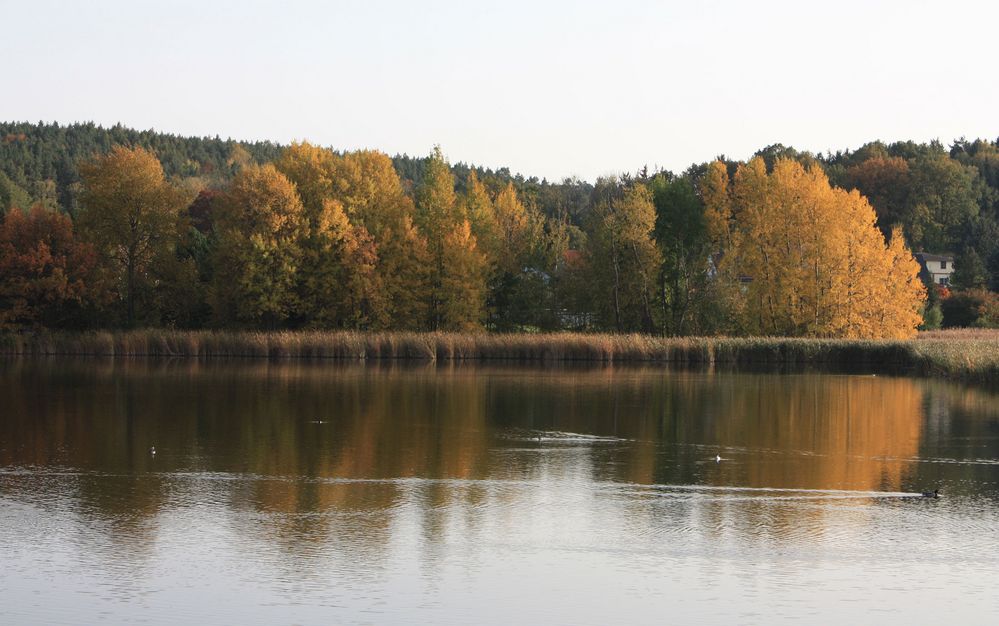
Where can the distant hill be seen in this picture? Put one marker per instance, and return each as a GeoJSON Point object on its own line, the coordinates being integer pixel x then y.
{"type": "Point", "coordinates": [38, 163]}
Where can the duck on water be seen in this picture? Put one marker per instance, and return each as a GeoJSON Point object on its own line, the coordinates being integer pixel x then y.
{"type": "Point", "coordinates": [931, 494]}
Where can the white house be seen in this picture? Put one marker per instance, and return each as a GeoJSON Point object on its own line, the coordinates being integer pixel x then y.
{"type": "Point", "coordinates": [938, 267]}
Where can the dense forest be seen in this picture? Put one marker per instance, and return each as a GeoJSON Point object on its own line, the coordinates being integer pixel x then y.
{"type": "Point", "coordinates": [122, 228]}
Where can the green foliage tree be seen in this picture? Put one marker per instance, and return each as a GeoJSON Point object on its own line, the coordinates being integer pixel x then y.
{"type": "Point", "coordinates": [932, 317]}
{"type": "Point", "coordinates": [970, 271]}
{"type": "Point", "coordinates": [944, 195]}
{"type": "Point", "coordinates": [622, 257]}
{"type": "Point", "coordinates": [11, 195]}
{"type": "Point", "coordinates": [885, 181]}
{"type": "Point", "coordinates": [682, 236]}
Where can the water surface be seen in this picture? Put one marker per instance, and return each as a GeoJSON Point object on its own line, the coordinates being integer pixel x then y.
{"type": "Point", "coordinates": [318, 493]}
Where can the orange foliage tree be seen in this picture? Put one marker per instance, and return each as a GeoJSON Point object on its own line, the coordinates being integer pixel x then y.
{"type": "Point", "coordinates": [45, 271]}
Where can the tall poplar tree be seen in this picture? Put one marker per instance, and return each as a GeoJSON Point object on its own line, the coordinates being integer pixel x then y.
{"type": "Point", "coordinates": [457, 268]}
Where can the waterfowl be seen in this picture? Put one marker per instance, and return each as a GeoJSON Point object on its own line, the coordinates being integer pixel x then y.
{"type": "Point", "coordinates": [152, 450]}
{"type": "Point", "coordinates": [932, 494]}
{"type": "Point", "coordinates": [717, 458]}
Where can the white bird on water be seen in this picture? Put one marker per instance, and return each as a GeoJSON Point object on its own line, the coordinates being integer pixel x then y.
{"type": "Point", "coordinates": [717, 458]}
{"type": "Point", "coordinates": [152, 450]}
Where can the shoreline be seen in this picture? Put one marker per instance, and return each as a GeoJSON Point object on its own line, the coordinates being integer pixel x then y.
{"type": "Point", "coordinates": [965, 355]}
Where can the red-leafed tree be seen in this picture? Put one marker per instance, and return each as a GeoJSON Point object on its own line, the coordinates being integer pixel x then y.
{"type": "Point", "coordinates": [46, 274]}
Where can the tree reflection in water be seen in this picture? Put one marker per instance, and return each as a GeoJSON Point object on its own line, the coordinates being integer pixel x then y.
{"type": "Point", "coordinates": [302, 458]}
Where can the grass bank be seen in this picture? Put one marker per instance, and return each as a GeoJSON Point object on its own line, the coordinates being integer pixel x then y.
{"type": "Point", "coordinates": [960, 354]}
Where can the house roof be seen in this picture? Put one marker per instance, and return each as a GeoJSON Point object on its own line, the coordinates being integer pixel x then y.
{"type": "Point", "coordinates": [926, 256]}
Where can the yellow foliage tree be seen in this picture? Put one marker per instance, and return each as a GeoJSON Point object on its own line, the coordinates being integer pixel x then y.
{"type": "Point", "coordinates": [373, 197]}
{"type": "Point", "coordinates": [457, 267]}
{"type": "Point", "coordinates": [717, 205]}
{"type": "Point", "coordinates": [338, 280]}
{"type": "Point", "coordinates": [519, 230]}
{"type": "Point", "coordinates": [482, 217]}
{"type": "Point", "coordinates": [462, 281]}
{"type": "Point", "coordinates": [811, 259]}
{"type": "Point", "coordinates": [313, 171]}
{"type": "Point", "coordinates": [132, 215]}
{"type": "Point", "coordinates": [405, 266]}
{"type": "Point", "coordinates": [364, 262]}
{"type": "Point", "coordinates": [260, 226]}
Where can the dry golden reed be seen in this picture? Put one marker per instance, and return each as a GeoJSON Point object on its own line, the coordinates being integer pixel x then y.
{"type": "Point", "coordinates": [970, 354]}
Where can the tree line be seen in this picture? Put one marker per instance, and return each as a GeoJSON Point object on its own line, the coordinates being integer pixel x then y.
{"type": "Point", "coordinates": [264, 236]}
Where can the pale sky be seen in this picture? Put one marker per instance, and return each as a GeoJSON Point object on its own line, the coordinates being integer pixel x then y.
{"type": "Point", "coordinates": [547, 88]}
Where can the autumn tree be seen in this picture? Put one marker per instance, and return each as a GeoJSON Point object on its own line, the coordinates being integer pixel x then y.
{"type": "Point", "coordinates": [519, 230]}
{"type": "Point", "coordinates": [481, 212]}
{"type": "Point", "coordinates": [717, 199]}
{"type": "Point", "coordinates": [260, 226]}
{"type": "Point", "coordinates": [340, 286]}
{"type": "Point", "coordinates": [462, 286]}
{"type": "Point", "coordinates": [405, 264]}
{"type": "Point", "coordinates": [623, 257]}
{"type": "Point", "coordinates": [367, 185]}
{"type": "Point", "coordinates": [377, 257]}
{"type": "Point", "coordinates": [810, 260]}
{"type": "Point", "coordinates": [132, 215]}
{"type": "Point", "coordinates": [515, 241]}
{"type": "Point", "coordinates": [338, 283]}
{"type": "Point", "coordinates": [46, 274]}
{"type": "Point", "coordinates": [457, 267]}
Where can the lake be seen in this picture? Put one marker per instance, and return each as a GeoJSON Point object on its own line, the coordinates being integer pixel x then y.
{"type": "Point", "coordinates": [311, 493]}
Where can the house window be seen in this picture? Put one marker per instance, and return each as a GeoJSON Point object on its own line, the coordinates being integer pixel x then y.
{"type": "Point", "coordinates": [943, 265]}
{"type": "Point", "coordinates": [944, 280]}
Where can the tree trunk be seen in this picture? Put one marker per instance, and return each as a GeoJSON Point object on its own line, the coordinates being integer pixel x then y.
{"type": "Point", "coordinates": [662, 301]}
{"type": "Point", "coordinates": [617, 288]}
{"type": "Point", "coordinates": [130, 290]}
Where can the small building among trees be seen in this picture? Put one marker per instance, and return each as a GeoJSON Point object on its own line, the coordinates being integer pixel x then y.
{"type": "Point", "coordinates": [936, 268]}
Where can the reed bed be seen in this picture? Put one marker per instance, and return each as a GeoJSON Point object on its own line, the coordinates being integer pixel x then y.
{"type": "Point", "coordinates": [962, 354]}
